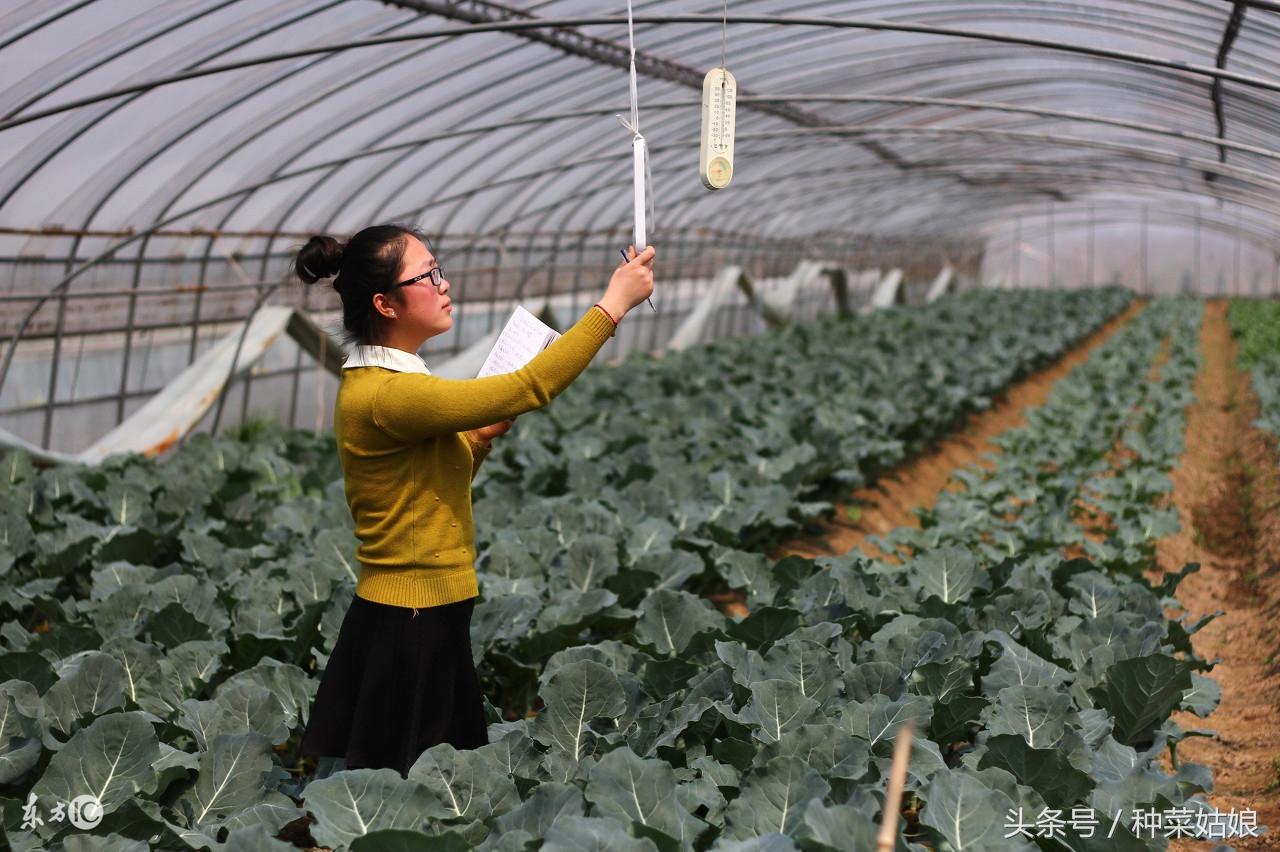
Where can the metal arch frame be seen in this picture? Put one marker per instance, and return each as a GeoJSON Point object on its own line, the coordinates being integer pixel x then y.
{"type": "Point", "coordinates": [235, 193]}
{"type": "Point", "coordinates": [440, 162]}
{"type": "Point", "coordinates": [1219, 222]}
{"type": "Point", "coordinates": [196, 125]}
{"type": "Point", "coordinates": [805, 197]}
{"type": "Point", "coordinates": [286, 209]}
{"type": "Point", "coordinates": [112, 55]}
{"type": "Point", "coordinates": [1082, 116]}
{"type": "Point", "coordinates": [74, 133]}
{"type": "Point", "coordinates": [251, 188]}
{"type": "Point", "coordinates": [543, 23]}
{"type": "Point", "coordinates": [71, 8]}
{"type": "Point", "coordinates": [1229, 35]}
{"type": "Point", "coordinates": [1226, 229]}
{"type": "Point", "coordinates": [1137, 152]}
{"type": "Point", "coordinates": [478, 189]}
{"type": "Point", "coordinates": [977, 105]}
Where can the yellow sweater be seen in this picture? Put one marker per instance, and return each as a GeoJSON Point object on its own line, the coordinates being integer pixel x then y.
{"type": "Point", "coordinates": [408, 463]}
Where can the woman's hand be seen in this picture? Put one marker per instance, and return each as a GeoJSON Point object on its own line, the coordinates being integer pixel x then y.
{"type": "Point", "coordinates": [632, 282]}
{"type": "Point", "coordinates": [485, 434]}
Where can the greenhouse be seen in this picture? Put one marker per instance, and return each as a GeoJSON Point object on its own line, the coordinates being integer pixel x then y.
{"type": "Point", "coordinates": [458, 424]}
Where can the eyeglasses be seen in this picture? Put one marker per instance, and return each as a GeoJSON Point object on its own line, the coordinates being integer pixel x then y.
{"type": "Point", "coordinates": [436, 274]}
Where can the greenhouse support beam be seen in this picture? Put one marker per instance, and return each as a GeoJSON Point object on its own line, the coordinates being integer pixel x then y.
{"type": "Point", "coordinates": [1229, 35]}
{"type": "Point", "coordinates": [1175, 65]}
{"type": "Point", "coordinates": [576, 43]}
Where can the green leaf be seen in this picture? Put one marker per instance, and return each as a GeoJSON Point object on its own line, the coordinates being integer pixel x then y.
{"type": "Point", "coordinates": [232, 778]}
{"type": "Point", "coordinates": [350, 804]}
{"type": "Point", "coordinates": [404, 840]}
{"type": "Point", "coordinates": [1038, 714]}
{"type": "Point", "coordinates": [174, 625]}
{"type": "Point", "coordinates": [633, 789]}
{"type": "Point", "coordinates": [952, 719]}
{"type": "Point", "coordinates": [593, 834]}
{"type": "Point", "coordinates": [112, 759]}
{"type": "Point", "coordinates": [549, 802]}
{"type": "Point", "coordinates": [945, 680]}
{"type": "Point", "coordinates": [28, 666]}
{"type": "Point", "coordinates": [949, 573]}
{"type": "Point", "coordinates": [832, 751]}
{"type": "Point", "coordinates": [1019, 666]}
{"type": "Point", "coordinates": [107, 843]}
{"type": "Point", "coordinates": [837, 827]}
{"type": "Point", "coordinates": [669, 619]}
{"type": "Point", "coordinates": [777, 706]}
{"type": "Point", "coordinates": [1141, 693]}
{"type": "Point", "coordinates": [879, 720]}
{"type": "Point", "coordinates": [94, 687]}
{"type": "Point", "coordinates": [576, 694]}
{"type": "Point", "coordinates": [1047, 771]}
{"type": "Point", "coordinates": [968, 814]}
{"type": "Point", "coordinates": [773, 798]}
{"type": "Point", "coordinates": [764, 626]}
{"type": "Point", "coordinates": [465, 782]}
{"type": "Point", "coordinates": [866, 680]}
{"type": "Point", "coordinates": [1204, 696]}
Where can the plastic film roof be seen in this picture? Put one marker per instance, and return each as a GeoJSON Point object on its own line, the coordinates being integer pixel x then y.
{"type": "Point", "coordinates": [119, 117]}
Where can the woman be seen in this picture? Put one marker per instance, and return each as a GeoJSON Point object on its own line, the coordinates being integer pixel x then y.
{"type": "Point", "coordinates": [401, 677]}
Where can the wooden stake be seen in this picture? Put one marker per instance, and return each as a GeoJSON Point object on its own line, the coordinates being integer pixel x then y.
{"type": "Point", "coordinates": [893, 793]}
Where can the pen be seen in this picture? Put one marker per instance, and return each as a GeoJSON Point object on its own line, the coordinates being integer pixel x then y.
{"type": "Point", "coordinates": [623, 252]}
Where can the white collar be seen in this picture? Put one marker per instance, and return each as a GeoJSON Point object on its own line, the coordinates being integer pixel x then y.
{"type": "Point", "coordinates": [385, 356]}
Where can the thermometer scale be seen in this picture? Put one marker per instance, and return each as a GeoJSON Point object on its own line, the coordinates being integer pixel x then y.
{"type": "Point", "coordinates": [719, 106]}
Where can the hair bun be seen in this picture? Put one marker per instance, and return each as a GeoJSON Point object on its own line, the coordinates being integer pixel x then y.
{"type": "Point", "coordinates": [320, 258]}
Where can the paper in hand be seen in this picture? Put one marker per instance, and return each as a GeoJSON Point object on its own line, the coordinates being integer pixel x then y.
{"type": "Point", "coordinates": [523, 337]}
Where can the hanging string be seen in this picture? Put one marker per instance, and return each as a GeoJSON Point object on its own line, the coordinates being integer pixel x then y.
{"type": "Point", "coordinates": [643, 188]}
{"type": "Point", "coordinates": [724, 32]}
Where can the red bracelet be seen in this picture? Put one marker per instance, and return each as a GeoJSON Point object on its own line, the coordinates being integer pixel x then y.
{"type": "Point", "coordinates": [606, 313]}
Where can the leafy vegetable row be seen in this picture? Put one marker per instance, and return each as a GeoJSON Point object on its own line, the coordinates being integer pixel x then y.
{"type": "Point", "coordinates": [1041, 684]}
{"type": "Point", "coordinates": [1093, 458]}
{"type": "Point", "coordinates": [167, 616]}
{"type": "Point", "coordinates": [1256, 325]}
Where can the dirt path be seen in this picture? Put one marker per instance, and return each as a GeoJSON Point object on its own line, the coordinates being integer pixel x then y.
{"type": "Point", "coordinates": [1225, 491]}
{"type": "Point", "coordinates": [887, 505]}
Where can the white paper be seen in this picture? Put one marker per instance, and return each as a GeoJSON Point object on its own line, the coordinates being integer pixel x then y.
{"type": "Point", "coordinates": [523, 337]}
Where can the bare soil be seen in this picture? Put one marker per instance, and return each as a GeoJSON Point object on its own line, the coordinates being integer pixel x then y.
{"type": "Point", "coordinates": [1226, 489]}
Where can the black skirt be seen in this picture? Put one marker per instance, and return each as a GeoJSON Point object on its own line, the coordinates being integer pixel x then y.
{"type": "Point", "coordinates": [396, 684]}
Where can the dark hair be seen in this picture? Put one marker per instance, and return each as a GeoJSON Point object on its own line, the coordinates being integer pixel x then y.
{"type": "Point", "coordinates": [367, 264]}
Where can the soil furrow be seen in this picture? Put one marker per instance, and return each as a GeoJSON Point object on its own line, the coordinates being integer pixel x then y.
{"type": "Point", "coordinates": [1222, 485]}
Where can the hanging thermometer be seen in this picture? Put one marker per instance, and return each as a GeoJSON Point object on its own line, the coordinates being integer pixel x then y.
{"type": "Point", "coordinates": [719, 104]}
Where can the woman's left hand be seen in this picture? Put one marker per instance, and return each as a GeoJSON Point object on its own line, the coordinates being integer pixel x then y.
{"type": "Point", "coordinates": [487, 433]}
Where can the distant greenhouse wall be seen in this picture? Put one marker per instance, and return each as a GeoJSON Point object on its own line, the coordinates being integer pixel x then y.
{"type": "Point", "coordinates": [97, 351]}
